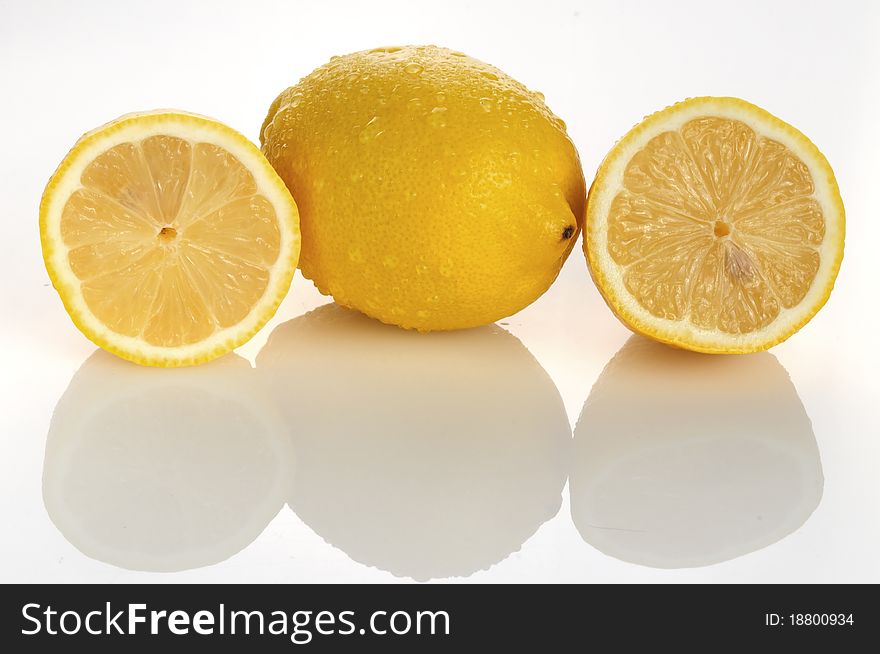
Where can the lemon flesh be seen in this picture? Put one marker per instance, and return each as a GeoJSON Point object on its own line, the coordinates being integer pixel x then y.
{"type": "Point", "coordinates": [169, 238]}
{"type": "Point", "coordinates": [435, 191]}
{"type": "Point", "coordinates": [716, 227]}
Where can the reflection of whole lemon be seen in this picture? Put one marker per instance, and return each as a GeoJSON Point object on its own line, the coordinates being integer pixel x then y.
{"type": "Point", "coordinates": [435, 192]}
{"type": "Point", "coordinates": [449, 453]}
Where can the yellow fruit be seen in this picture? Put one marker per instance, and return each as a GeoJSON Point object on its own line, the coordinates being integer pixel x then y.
{"type": "Point", "coordinates": [169, 237]}
{"type": "Point", "coordinates": [714, 226]}
{"type": "Point", "coordinates": [435, 191]}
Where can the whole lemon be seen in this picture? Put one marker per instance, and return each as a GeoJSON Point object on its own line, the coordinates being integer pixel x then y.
{"type": "Point", "coordinates": [435, 192]}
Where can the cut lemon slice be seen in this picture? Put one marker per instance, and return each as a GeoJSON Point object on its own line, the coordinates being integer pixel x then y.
{"type": "Point", "coordinates": [714, 226]}
{"type": "Point", "coordinates": [169, 237]}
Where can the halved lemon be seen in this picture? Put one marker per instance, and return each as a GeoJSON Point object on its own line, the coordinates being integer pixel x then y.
{"type": "Point", "coordinates": [714, 226]}
{"type": "Point", "coordinates": [169, 237]}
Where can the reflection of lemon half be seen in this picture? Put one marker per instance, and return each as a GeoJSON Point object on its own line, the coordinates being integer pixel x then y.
{"type": "Point", "coordinates": [431, 455]}
{"type": "Point", "coordinates": [436, 192]}
{"type": "Point", "coordinates": [715, 226]}
{"type": "Point", "coordinates": [718, 458]}
{"type": "Point", "coordinates": [163, 470]}
{"type": "Point", "coordinates": [169, 237]}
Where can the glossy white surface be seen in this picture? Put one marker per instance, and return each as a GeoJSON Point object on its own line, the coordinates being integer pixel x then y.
{"type": "Point", "coordinates": [331, 448]}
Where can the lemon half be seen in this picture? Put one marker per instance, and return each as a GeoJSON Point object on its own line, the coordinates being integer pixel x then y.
{"type": "Point", "coordinates": [169, 237]}
{"type": "Point", "coordinates": [715, 226]}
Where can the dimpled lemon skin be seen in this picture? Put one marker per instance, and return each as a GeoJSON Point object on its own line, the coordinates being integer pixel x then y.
{"type": "Point", "coordinates": [435, 192]}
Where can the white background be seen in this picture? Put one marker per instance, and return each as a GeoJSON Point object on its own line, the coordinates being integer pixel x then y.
{"type": "Point", "coordinates": [68, 67]}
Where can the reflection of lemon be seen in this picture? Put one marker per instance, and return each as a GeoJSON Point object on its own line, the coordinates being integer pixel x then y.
{"type": "Point", "coordinates": [717, 459]}
{"type": "Point", "coordinates": [450, 451]}
{"type": "Point", "coordinates": [163, 470]}
{"type": "Point", "coordinates": [169, 237]}
{"type": "Point", "coordinates": [715, 226]}
{"type": "Point", "coordinates": [435, 191]}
